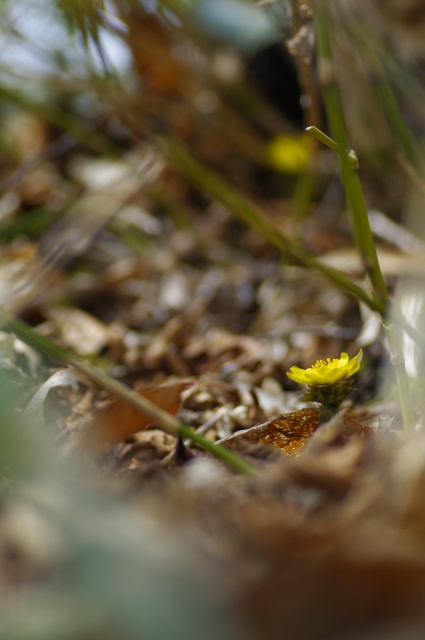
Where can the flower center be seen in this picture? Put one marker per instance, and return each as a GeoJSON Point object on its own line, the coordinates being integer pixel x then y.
{"type": "Point", "coordinates": [330, 363]}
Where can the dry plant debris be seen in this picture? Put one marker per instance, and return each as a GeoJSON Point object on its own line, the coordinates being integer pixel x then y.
{"type": "Point", "coordinates": [109, 526]}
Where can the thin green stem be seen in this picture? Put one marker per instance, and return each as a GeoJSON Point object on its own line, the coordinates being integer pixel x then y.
{"type": "Point", "coordinates": [217, 450]}
{"type": "Point", "coordinates": [348, 160]}
{"type": "Point", "coordinates": [354, 196]}
{"type": "Point", "coordinates": [211, 183]}
{"type": "Point", "coordinates": [324, 139]}
{"type": "Point", "coordinates": [327, 75]}
{"type": "Point", "coordinates": [167, 422]}
{"type": "Point", "coordinates": [361, 227]}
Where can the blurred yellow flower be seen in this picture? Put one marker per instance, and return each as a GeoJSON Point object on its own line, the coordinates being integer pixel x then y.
{"type": "Point", "coordinates": [290, 154]}
{"type": "Point", "coordinates": [328, 372]}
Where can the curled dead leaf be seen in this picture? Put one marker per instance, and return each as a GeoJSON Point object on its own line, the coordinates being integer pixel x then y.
{"type": "Point", "coordinates": [117, 420]}
{"type": "Point", "coordinates": [291, 432]}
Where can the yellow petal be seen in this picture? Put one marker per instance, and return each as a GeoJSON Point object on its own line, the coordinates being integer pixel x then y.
{"type": "Point", "coordinates": [328, 372]}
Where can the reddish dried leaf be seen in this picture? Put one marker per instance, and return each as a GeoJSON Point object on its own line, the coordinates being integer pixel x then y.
{"type": "Point", "coordinates": [290, 432]}
{"type": "Point", "coordinates": [118, 421]}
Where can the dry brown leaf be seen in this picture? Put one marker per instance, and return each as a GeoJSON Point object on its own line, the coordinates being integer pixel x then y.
{"type": "Point", "coordinates": [146, 447]}
{"type": "Point", "coordinates": [290, 432]}
{"type": "Point", "coordinates": [79, 330]}
{"type": "Point", "coordinates": [118, 421]}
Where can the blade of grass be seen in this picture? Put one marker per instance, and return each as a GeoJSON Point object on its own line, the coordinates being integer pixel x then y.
{"type": "Point", "coordinates": [349, 169]}
{"type": "Point", "coordinates": [378, 70]}
{"type": "Point", "coordinates": [354, 196]}
{"type": "Point", "coordinates": [163, 419]}
{"type": "Point", "coordinates": [215, 186]}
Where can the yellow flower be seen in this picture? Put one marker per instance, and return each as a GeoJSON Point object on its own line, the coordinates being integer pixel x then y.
{"type": "Point", "coordinates": [328, 372]}
{"type": "Point", "coordinates": [290, 154]}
